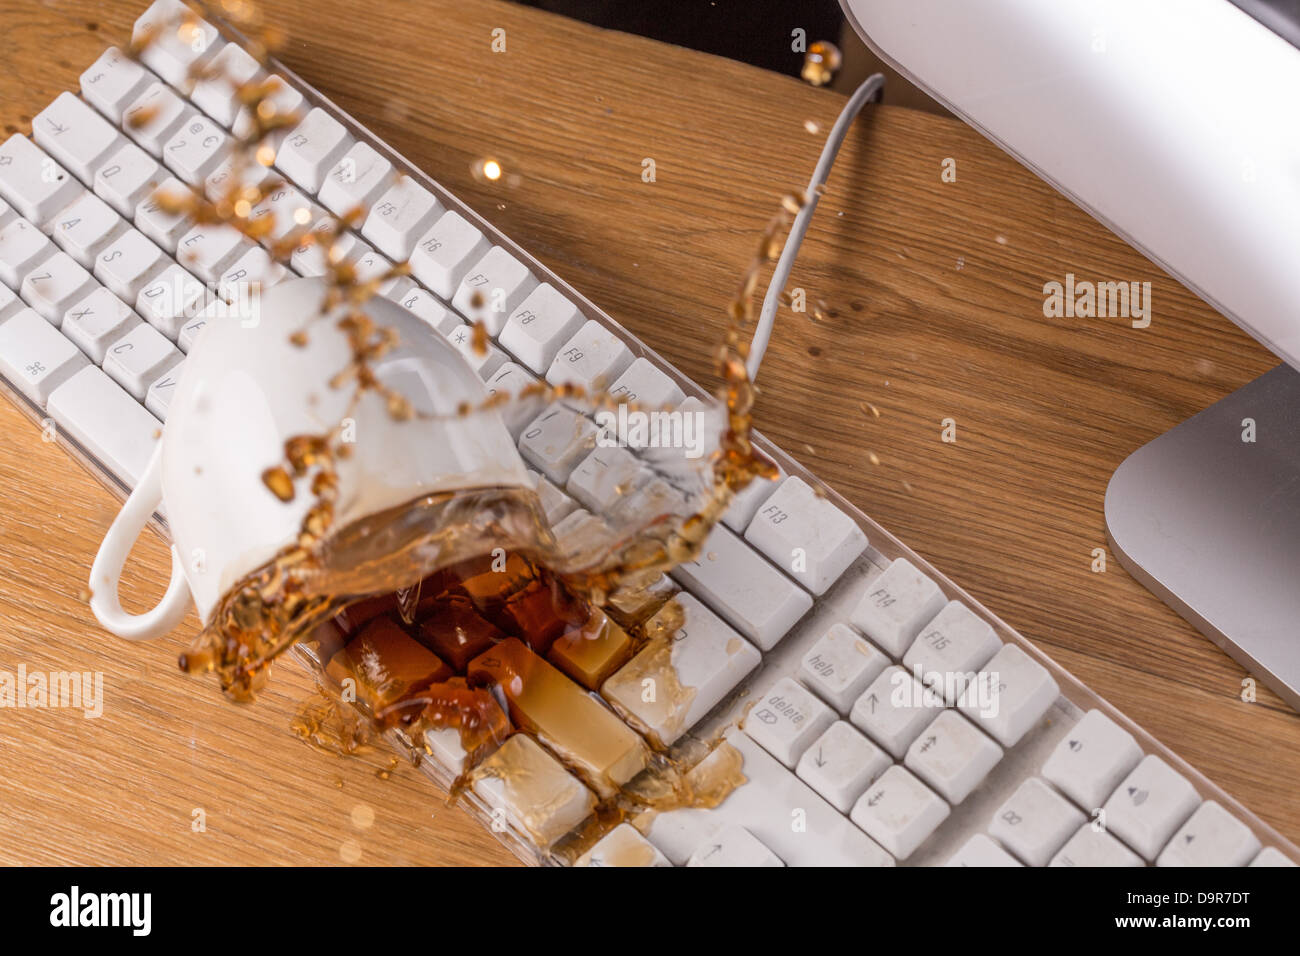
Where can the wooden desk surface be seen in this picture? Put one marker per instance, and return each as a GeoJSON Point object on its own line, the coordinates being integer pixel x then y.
{"type": "Point", "coordinates": [937, 293]}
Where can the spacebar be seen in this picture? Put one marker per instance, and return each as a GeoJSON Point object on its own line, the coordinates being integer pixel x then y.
{"type": "Point", "coordinates": [768, 805]}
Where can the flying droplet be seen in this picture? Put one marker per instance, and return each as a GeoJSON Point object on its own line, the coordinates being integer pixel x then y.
{"type": "Point", "coordinates": [821, 62]}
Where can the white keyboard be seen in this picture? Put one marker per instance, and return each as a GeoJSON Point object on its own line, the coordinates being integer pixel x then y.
{"type": "Point", "coordinates": [806, 676]}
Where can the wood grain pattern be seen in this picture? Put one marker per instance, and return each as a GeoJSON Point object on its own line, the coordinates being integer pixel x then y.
{"type": "Point", "coordinates": [936, 295]}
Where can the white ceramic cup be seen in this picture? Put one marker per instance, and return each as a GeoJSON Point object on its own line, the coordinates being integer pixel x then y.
{"type": "Point", "coordinates": [244, 391]}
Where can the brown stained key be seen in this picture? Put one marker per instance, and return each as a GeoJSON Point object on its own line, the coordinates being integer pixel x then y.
{"type": "Point", "coordinates": [591, 653]}
{"type": "Point", "coordinates": [456, 632]}
{"type": "Point", "coordinates": [387, 664]}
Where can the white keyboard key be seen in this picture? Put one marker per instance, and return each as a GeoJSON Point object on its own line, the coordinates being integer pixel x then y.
{"type": "Point", "coordinates": [556, 505]}
{"type": "Point", "coordinates": [753, 596]}
{"type": "Point", "coordinates": [734, 846]}
{"type": "Point", "coordinates": [980, 851]}
{"type": "Point", "coordinates": [33, 183]}
{"type": "Point", "coordinates": [537, 796]}
{"type": "Point", "coordinates": [951, 648]}
{"type": "Point", "coordinates": [1035, 822]}
{"type": "Point", "coordinates": [196, 150]}
{"type": "Point", "coordinates": [312, 149]}
{"type": "Point", "coordinates": [139, 359]}
{"type": "Point", "coordinates": [424, 306]}
{"type": "Point", "coordinates": [1272, 856]}
{"type": "Point", "coordinates": [371, 265]}
{"type": "Point", "coordinates": [806, 534]}
{"type": "Point", "coordinates": [10, 304]}
{"type": "Point", "coordinates": [493, 288]}
{"type": "Point", "coordinates": [55, 285]}
{"type": "Point", "coordinates": [154, 219]}
{"type": "Point", "coordinates": [86, 227]}
{"type": "Point", "coordinates": [113, 82]}
{"type": "Point", "coordinates": [35, 357]}
{"type": "Point", "coordinates": [208, 250]}
{"type": "Point", "coordinates": [22, 248]}
{"type": "Point", "coordinates": [605, 476]}
{"type": "Point", "coordinates": [1151, 803]}
{"type": "Point", "coordinates": [894, 709]}
{"type": "Point", "coordinates": [445, 254]}
{"type": "Point", "coordinates": [544, 321]}
{"type": "Point", "coordinates": [672, 683]}
{"type": "Point", "coordinates": [76, 136]}
{"type": "Point", "coordinates": [247, 278]}
{"type": "Point", "coordinates": [405, 212]}
{"type": "Point", "coordinates": [309, 258]}
{"type": "Point", "coordinates": [484, 362]}
{"type": "Point", "coordinates": [97, 321]}
{"type": "Point", "coordinates": [222, 181]}
{"type": "Point", "coordinates": [952, 756]}
{"type": "Point", "coordinates": [840, 666]}
{"type": "Point", "coordinates": [557, 441]}
{"type": "Point", "coordinates": [766, 804]}
{"type": "Point", "coordinates": [288, 211]}
{"type": "Point", "coordinates": [129, 262]}
{"type": "Point", "coordinates": [159, 399]}
{"type": "Point", "coordinates": [170, 300]}
{"type": "Point", "coordinates": [284, 104]}
{"type": "Point", "coordinates": [1091, 760]}
{"type": "Point", "coordinates": [841, 764]}
{"type": "Point", "coordinates": [594, 357]}
{"type": "Point", "coordinates": [176, 39]}
{"type": "Point", "coordinates": [7, 214]}
{"type": "Point", "coordinates": [899, 812]}
{"type": "Point", "coordinates": [746, 504]}
{"type": "Point", "coordinates": [623, 846]}
{"type": "Point", "coordinates": [190, 331]}
{"type": "Point", "coordinates": [217, 93]}
{"type": "Point", "coordinates": [641, 382]}
{"type": "Point", "coordinates": [356, 181]}
{"type": "Point", "coordinates": [787, 719]}
{"type": "Point", "coordinates": [1009, 696]}
{"type": "Point", "coordinates": [107, 422]}
{"type": "Point", "coordinates": [1092, 847]}
{"type": "Point", "coordinates": [1211, 837]}
{"type": "Point", "coordinates": [128, 178]}
{"type": "Point", "coordinates": [155, 116]}
{"type": "Point", "coordinates": [896, 605]}
{"type": "Point", "coordinates": [517, 413]}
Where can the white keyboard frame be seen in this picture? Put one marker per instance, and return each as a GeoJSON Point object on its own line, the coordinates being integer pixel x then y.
{"type": "Point", "coordinates": [971, 816]}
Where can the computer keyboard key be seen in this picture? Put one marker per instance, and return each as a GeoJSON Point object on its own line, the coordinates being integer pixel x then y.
{"type": "Point", "coordinates": [36, 357]}
{"type": "Point", "coordinates": [734, 580]}
{"type": "Point", "coordinates": [980, 851]}
{"type": "Point", "coordinates": [605, 476]}
{"type": "Point", "coordinates": [768, 803]}
{"type": "Point", "coordinates": [952, 756]}
{"type": "Point", "coordinates": [444, 255]}
{"type": "Point", "coordinates": [7, 214]}
{"type": "Point", "coordinates": [55, 285]}
{"type": "Point", "coordinates": [312, 149]}
{"type": "Point", "coordinates": [786, 719]}
{"type": "Point", "coordinates": [484, 360]}
{"type": "Point", "coordinates": [518, 412]}
{"type": "Point", "coordinates": [154, 217]}
{"type": "Point", "coordinates": [1035, 822]}
{"type": "Point", "coordinates": [112, 426]}
{"type": "Point", "coordinates": [899, 812]}
{"type": "Point", "coordinates": [423, 305]}
{"type": "Point", "coordinates": [747, 502]}
{"type": "Point", "coordinates": [404, 213]}
{"type": "Point", "coordinates": [284, 103]}
{"type": "Point", "coordinates": [641, 383]}
{"type": "Point", "coordinates": [128, 263]}
{"type": "Point", "coordinates": [155, 116]}
{"type": "Point", "coordinates": [623, 846]}
{"type": "Point", "coordinates": [177, 40]}
{"type": "Point", "coordinates": [896, 605]}
{"type": "Point", "coordinates": [1211, 837]}
{"type": "Point", "coordinates": [1094, 847]}
{"type": "Point", "coordinates": [190, 331]}
{"type": "Point", "coordinates": [217, 94]}
{"type": "Point", "coordinates": [894, 709]}
{"type": "Point", "coordinates": [492, 289]}
{"type": "Point", "coordinates": [196, 150]}
{"type": "Point", "coordinates": [76, 136]}
{"type": "Point", "coordinates": [22, 248]}
{"type": "Point", "coordinates": [86, 227]}
{"type": "Point", "coordinates": [951, 648]}
{"type": "Point", "coordinates": [734, 846]}
{"type": "Point", "coordinates": [840, 666]}
{"type": "Point", "coordinates": [127, 179]}
{"type": "Point", "coordinates": [593, 358]}
{"type": "Point", "coordinates": [557, 441]}
{"type": "Point", "coordinates": [98, 321]}
{"type": "Point", "coordinates": [1272, 856]}
{"type": "Point", "coordinates": [544, 321]}
{"type": "Point", "coordinates": [243, 282]}
{"type": "Point", "coordinates": [806, 534]}
{"type": "Point", "coordinates": [10, 304]}
{"type": "Point", "coordinates": [359, 178]}
{"type": "Point", "coordinates": [171, 299]}
{"type": "Point", "coordinates": [1091, 760]}
{"type": "Point", "coordinates": [530, 788]}
{"type": "Point", "coordinates": [113, 82]}
{"type": "Point", "coordinates": [556, 505]}
{"type": "Point", "coordinates": [159, 397]}
{"type": "Point", "coordinates": [208, 250]}
{"type": "Point", "coordinates": [676, 679]}
{"type": "Point", "coordinates": [139, 359]}
{"type": "Point", "coordinates": [590, 654]}
{"type": "Point", "coordinates": [1009, 695]}
{"type": "Point", "coordinates": [1149, 805]}
{"type": "Point", "coordinates": [288, 212]}
{"type": "Point", "coordinates": [841, 764]}
{"type": "Point", "coordinates": [224, 178]}
{"type": "Point", "coordinates": [32, 182]}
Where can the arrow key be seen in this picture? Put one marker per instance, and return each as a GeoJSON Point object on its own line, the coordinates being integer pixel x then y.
{"type": "Point", "coordinates": [841, 764]}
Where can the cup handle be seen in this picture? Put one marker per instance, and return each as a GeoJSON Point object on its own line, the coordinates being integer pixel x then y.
{"type": "Point", "coordinates": [106, 572]}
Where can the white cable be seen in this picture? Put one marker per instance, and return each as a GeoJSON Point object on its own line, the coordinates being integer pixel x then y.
{"type": "Point", "coordinates": [772, 301]}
